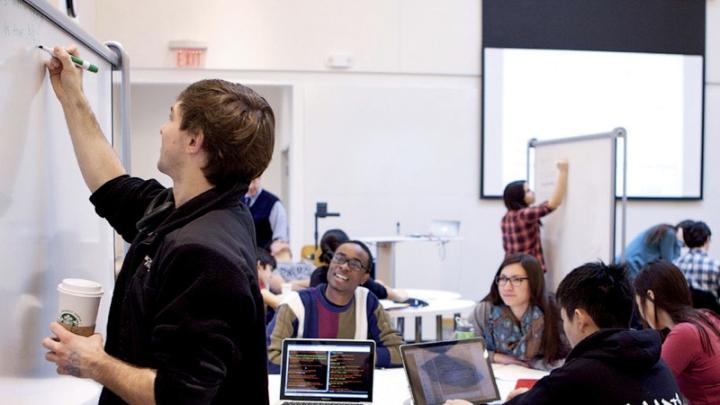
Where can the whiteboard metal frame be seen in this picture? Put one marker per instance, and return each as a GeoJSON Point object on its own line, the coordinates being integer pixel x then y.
{"type": "Point", "coordinates": [616, 134]}
{"type": "Point", "coordinates": [72, 28]}
{"type": "Point", "coordinates": [114, 54]}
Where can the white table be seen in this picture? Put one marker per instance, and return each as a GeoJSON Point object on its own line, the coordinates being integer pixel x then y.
{"type": "Point", "coordinates": [385, 245]}
{"type": "Point", "coordinates": [391, 385]}
{"type": "Point", "coordinates": [61, 390]}
{"type": "Point", "coordinates": [436, 308]}
{"type": "Point", "coordinates": [432, 295]}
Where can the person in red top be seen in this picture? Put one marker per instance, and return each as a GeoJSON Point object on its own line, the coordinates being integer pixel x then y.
{"type": "Point", "coordinates": [521, 224]}
{"type": "Point", "coordinates": [692, 348]}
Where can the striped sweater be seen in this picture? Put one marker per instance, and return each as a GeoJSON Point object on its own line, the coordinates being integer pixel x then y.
{"type": "Point", "coordinates": [322, 319]}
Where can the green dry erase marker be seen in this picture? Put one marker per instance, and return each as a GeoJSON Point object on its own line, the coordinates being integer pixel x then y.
{"type": "Point", "coordinates": [82, 64]}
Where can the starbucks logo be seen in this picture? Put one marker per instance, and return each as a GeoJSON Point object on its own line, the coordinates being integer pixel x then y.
{"type": "Point", "coordinates": [69, 318]}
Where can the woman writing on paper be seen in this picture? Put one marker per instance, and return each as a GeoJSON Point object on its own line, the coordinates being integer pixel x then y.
{"type": "Point", "coordinates": [521, 224]}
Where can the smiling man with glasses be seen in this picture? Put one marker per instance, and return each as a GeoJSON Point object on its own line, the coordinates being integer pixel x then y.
{"type": "Point", "coordinates": [340, 309]}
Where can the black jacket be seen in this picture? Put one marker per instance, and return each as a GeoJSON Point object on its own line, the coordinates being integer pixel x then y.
{"type": "Point", "coordinates": [186, 301]}
{"type": "Point", "coordinates": [609, 367]}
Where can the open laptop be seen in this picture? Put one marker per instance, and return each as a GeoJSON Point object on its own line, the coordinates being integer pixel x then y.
{"type": "Point", "coordinates": [327, 371]}
{"type": "Point", "coordinates": [456, 369]}
{"type": "Point", "coordinates": [444, 228]}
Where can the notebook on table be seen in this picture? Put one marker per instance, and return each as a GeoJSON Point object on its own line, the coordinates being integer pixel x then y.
{"type": "Point", "coordinates": [456, 369]}
{"type": "Point", "coordinates": [327, 371]}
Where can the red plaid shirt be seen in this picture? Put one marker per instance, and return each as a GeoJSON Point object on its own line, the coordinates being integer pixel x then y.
{"type": "Point", "coordinates": [521, 231]}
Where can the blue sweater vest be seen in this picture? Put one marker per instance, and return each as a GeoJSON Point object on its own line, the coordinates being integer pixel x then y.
{"type": "Point", "coordinates": [261, 217]}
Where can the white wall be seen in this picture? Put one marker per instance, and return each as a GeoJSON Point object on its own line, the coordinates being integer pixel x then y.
{"type": "Point", "coordinates": [395, 138]}
{"type": "Point", "coordinates": [419, 36]}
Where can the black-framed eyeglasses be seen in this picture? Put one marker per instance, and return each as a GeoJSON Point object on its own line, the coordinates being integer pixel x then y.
{"type": "Point", "coordinates": [515, 281]}
{"type": "Point", "coordinates": [353, 264]}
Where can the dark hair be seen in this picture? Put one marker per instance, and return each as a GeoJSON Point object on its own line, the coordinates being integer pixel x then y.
{"type": "Point", "coordinates": [514, 195]}
{"type": "Point", "coordinates": [370, 265]}
{"type": "Point", "coordinates": [672, 295]}
{"type": "Point", "coordinates": [604, 291]}
{"type": "Point", "coordinates": [656, 234]}
{"type": "Point", "coordinates": [696, 234]}
{"type": "Point", "coordinates": [684, 224]}
{"type": "Point", "coordinates": [238, 127]}
{"type": "Point", "coordinates": [264, 258]}
{"type": "Point", "coordinates": [330, 241]}
{"type": "Point", "coordinates": [551, 344]}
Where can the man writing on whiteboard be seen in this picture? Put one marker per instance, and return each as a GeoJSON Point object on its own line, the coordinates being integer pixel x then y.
{"type": "Point", "coordinates": [186, 322]}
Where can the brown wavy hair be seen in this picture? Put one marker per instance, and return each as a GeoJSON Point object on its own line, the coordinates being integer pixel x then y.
{"type": "Point", "coordinates": [238, 127]}
{"type": "Point", "coordinates": [552, 346]}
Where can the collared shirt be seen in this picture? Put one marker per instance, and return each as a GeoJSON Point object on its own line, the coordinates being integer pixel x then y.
{"type": "Point", "coordinates": [278, 217]}
{"type": "Point", "coordinates": [701, 271]}
{"type": "Point", "coordinates": [521, 231]}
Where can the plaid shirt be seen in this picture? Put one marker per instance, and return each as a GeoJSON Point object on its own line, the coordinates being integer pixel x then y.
{"type": "Point", "coordinates": [701, 271]}
{"type": "Point", "coordinates": [521, 231]}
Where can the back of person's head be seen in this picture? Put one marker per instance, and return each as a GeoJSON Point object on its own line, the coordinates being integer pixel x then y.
{"type": "Point", "coordinates": [514, 195]}
{"type": "Point", "coordinates": [656, 234]}
{"type": "Point", "coordinates": [238, 127]}
{"type": "Point", "coordinates": [696, 234]}
{"type": "Point", "coordinates": [684, 224]}
{"type": "Point", "coordinates": [370, 265]}
{"type": "Point", "coordinates": [551, 343]}
{"type": "Point", "coordinates": [603, 291]}
{"type": "Point", "coordinates": [668, 284]}
{"type": "Point", "coordinates": [330, 240]}
{"type": "Point", "coordinates": [264, 258]}
{"type": "Point", "coordinates": [663, 284]}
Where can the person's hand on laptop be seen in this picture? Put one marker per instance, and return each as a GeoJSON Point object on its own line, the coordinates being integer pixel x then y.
{"type": "Point", "coordinates": [500, 358]}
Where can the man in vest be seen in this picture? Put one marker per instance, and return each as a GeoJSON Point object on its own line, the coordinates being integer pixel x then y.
{"type": "Point", "coordinates": [268, 214]}
{"type": "Point", "coordinates": [340, 309]}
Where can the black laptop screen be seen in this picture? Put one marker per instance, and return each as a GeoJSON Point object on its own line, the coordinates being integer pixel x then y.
{"type": "Point", "coordinates": [325, 370]}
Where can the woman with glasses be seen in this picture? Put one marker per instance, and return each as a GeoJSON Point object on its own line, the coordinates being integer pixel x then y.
{"type": "Point", "coordinates": [518, 322]}
{"type": "Point", "coordinates": [692, 346]}
{"type": "Point", "coordinates": [340, 309]}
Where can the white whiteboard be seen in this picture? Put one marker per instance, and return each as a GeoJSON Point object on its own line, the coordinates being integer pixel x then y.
{"type": "Point", "coordinates": [48, 228]}
{"type": "Point", "coordinates": [582, 229]}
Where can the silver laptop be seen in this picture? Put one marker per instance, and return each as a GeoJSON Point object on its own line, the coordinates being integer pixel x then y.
{"type": "Point", "coordinates": [327, 371]}
{"type": "Point", "coordinates": [456, 369]}
{"type": "Point", "coordinates": [444, 228]}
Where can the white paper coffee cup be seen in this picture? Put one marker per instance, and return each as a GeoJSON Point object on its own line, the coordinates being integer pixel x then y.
{"type": "Point", "coordinates": [286, 288]}
{"type": "Point", "coordinates": [79, 301]}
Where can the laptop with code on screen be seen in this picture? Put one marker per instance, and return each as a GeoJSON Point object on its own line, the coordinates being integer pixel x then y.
{"type": "Point", "coordinates": [327, 371]}
{"type": "Point", "coordinates": [455, 369]}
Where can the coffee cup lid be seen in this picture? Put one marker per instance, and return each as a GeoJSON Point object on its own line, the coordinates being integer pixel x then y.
{"type": "Point", "coordinates": [80, 287]}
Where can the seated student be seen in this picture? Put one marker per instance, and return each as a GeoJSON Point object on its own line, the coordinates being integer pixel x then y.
{"type": "Point", "coordinates": [609, 363]}
{"type": "Point", "coordinates": [692, 348]}
{"type": "Point", "coordinates": [662, 241]}
{"type": "Point", "coordinates": [330, 240]}
{"type": "Point", "coordinates": [701, 271]}
{"type": "Point", "coordinates": [287, 270]}
{"type": "Point", "coordinates": [265, 265]}
{"type": "Point", "coordinates": [340, 309]}
{"type": "Point", "coordinates": [517, 321]}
